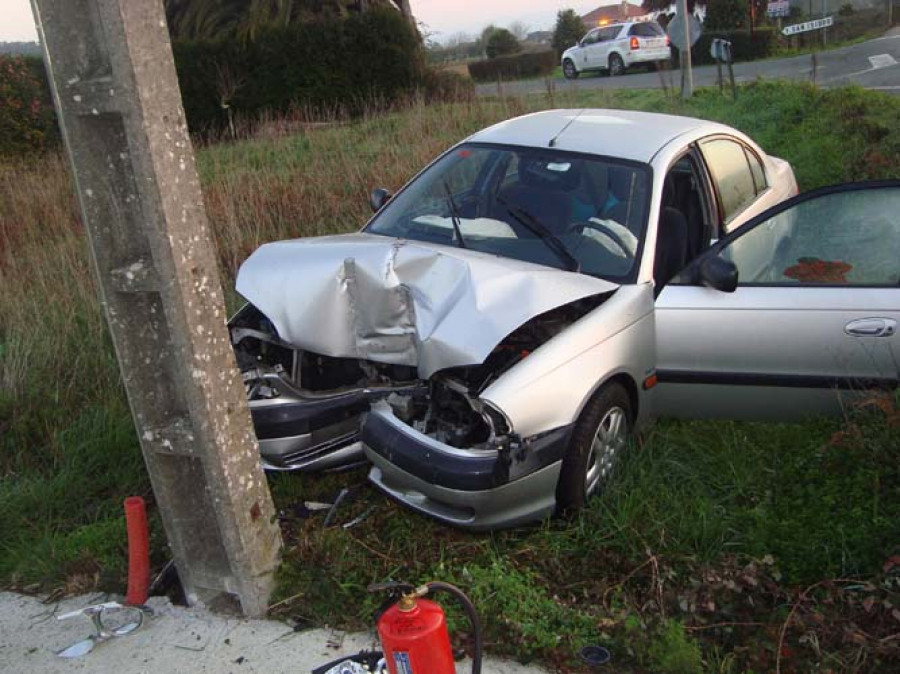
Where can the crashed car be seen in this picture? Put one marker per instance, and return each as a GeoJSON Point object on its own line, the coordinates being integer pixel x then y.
{"type": "Point", "coordinates": [493, 336]}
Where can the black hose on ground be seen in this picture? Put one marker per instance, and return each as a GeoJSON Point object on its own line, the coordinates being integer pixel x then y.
{"type": "Point", "coordinates": [469, 607]}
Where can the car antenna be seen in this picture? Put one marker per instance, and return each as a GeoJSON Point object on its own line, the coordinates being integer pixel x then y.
{"type": "Point", "coordinates": [553, 140]}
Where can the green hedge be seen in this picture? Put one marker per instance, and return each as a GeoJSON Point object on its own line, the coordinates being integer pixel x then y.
{"type": "Point", "coordinates": [762, 43]}
{"type": "Point", "coordinates": [323, 64]}
{"type": "Point", "coordinates": [528, 64]}
{"type": "Point", "coordinates": [329, 63]}
{"type": "Point", "coordinates": [27, 121]}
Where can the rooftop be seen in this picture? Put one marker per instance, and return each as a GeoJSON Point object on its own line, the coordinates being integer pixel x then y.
{"type": "Point", "coordinates": [612, 14]}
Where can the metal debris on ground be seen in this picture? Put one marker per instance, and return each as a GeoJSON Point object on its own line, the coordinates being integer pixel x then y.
{"type": "Point", "coordinates": [329, 518]}
{"type": "Point", "coordinates": [364, 662]}
{"type": "Point", "coordinates": [358, 519]}
{"type": "Point", "coordinates": [109, 619]}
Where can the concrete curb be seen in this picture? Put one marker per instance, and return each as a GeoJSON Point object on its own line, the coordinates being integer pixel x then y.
{"type": "Point", "coordinates": [177, 640]}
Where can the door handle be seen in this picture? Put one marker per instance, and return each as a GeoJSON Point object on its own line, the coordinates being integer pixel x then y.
{"type": "Point", "coordinates": [871, 327]}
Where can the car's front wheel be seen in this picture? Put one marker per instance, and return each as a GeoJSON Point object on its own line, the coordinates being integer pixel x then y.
{"type": "Point", "coordinates": [616, 65]}
{"type": "Point", "coordinates": [598, 439]}
{"type": "Point", "coordinates": [569, 70]}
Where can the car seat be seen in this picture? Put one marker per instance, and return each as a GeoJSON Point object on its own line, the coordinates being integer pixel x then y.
{"type": "Point", "coordinates": [671, 246]}
{"type": "Point", "coordinates": [546, 196]}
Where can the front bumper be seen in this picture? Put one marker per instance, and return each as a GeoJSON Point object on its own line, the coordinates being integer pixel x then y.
{"type": "Point", "coordinates": [309, 435]}
{"type": "Point", "coordinates": [470, 488]}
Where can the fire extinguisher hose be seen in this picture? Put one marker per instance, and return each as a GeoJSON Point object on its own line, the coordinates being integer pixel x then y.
{"type": "Point", "coordinates": [469, 607]}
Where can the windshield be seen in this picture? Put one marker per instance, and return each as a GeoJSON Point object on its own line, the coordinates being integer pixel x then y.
{"type": "Point", "coordinates": [561, 209]}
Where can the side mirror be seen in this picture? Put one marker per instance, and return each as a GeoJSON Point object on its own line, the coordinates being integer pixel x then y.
{"type": "Point", "coordinates": [719, 274]}
{"type": "Point", "coordinates": [379, 198]}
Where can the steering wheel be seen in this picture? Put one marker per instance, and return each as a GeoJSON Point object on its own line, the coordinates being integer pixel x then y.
{"type": "Point", "coordinates": [607, 231]}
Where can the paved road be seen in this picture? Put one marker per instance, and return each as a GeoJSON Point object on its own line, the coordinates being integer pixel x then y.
{"type": "Point", "coordinates": [874, 64]}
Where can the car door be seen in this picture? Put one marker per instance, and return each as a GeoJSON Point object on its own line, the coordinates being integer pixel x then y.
{"type": "Point", "coordinates": [813, 320]}
{"type": "Point", "coordinates": [600, 53]}
{"type": "Point", "coordinates": [588, 46]}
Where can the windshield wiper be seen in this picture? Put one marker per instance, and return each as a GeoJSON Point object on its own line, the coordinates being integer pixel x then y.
{"type": "Point", "coordinates": [530, 222]}
{"type": "Point", "coordinates": [454, 216]}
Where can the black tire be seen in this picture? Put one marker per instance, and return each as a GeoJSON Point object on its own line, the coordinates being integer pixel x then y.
{"type": "Point", "coordinates": [577, 483]}
{"type": "Point", "coordinates": [569, 70]}
{"type": "Point", "coordinates": [616, 65]}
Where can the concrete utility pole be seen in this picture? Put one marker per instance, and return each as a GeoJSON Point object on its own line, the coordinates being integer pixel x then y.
{"type": "Point", "coordinates": [114, 85]}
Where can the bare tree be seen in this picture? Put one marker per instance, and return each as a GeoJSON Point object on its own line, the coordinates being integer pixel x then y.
{"type": "Point", "coordinates": [227, 85]}
{"type": "Point", "coordinates": [519, 29]}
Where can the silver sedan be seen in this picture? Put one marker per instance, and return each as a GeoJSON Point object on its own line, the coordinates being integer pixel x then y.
{"type": "Point", "coordinates": [505, 322]}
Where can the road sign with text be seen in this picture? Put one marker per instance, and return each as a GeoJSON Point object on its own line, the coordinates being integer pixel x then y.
{"type": "Point", "coordinates": [818, 24]}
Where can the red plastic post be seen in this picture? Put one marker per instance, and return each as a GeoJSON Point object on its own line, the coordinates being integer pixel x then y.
{"type": "Point", "coordinates": [138, 551]}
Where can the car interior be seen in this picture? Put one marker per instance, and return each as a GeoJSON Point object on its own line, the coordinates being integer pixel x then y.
{"type": "Point", "coordinates": [685, 228]}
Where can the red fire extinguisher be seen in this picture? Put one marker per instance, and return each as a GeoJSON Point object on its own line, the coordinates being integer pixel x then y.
{"type": "Point", "coordinates": [414, 634]}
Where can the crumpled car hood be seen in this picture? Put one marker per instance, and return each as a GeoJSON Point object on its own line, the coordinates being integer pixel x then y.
{"type": "Point", "coordinates": [401, 302]}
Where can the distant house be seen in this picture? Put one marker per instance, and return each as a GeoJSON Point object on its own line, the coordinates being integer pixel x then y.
{"type": "Point", "coordinates": [623, 11]}
{"type": "Point", "coordinates": [539, 37]}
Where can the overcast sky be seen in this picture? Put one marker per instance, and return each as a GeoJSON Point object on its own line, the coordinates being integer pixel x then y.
{"type": "Point", "coordinates": [444, 17]}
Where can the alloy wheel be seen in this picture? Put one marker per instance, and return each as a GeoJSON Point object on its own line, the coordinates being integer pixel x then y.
{"type": "Point", "coordinates": [608, 442]}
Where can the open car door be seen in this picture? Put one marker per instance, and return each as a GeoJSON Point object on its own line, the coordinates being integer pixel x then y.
{"type": "Point", "coordinates": [792, 315]}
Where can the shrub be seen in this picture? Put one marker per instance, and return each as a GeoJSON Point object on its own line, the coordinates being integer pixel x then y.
{"type": "Point", "coordinates": [529, 64]}
{"type": "Point", "coordinates": [327, 63]}
{"type": "Point", "coordinates": [725, 15]}
{"type": "Point", "coordinates": [27, 123]}
{"type": "Point", "coordinates": [568, 30]}
{"type": "Point", "coordinates": [446, 85]}
{"type": "Point", "coordinates": [501, 43]}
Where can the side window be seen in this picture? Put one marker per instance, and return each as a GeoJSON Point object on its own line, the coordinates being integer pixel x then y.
{"type": "Point", "coordinates": [756, 168]}
{"type": "Point", "coordinates": [610, 33]}
{"type": "Point", "coordinates": [730, 170]}
{"type": "Point", "coordinates": [849, 238]}
{"type": "Point", "coordinates": [591, 37]}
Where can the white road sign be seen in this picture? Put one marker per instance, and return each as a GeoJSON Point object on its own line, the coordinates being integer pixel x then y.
{"type": "Point", "coordinates": [818, 24]}
{"type": "Point", "coordinates": [777, 8]}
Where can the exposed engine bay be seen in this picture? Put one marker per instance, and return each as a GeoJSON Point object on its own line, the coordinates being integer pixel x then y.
{"type": "Point", "coordinates": [446, 406]}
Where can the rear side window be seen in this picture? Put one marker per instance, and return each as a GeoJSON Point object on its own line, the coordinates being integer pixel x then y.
{"type": "Point", "coordinates": [649, 29]}
{"type": "Point", "coordinates": [756, 168]}
{"type": "Point", "coordinates": [730, 169]}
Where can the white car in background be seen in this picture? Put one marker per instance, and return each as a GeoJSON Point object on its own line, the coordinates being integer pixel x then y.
{"type": "Point", "coordinates": [493, 335]}
{"type": "Point", "coordinates": [617, 47]}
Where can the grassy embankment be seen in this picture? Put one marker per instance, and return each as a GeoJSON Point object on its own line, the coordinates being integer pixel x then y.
{"type": "Point", "coordinates": [694, 559]}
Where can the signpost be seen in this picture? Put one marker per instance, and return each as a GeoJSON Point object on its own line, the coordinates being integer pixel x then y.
{"type": "Point", "coordinates": [720, 50]}
{"type": "Point", "coordinates": [684, 35]}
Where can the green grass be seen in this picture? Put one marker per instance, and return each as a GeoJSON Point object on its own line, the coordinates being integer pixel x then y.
{"type": "Point", "coordinates": [693, 500]}
{"type": "Point", "coordinates": [707, 524]}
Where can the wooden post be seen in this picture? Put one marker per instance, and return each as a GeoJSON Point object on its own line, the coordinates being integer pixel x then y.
{"type": "Point", "coordinates": [687, 77]}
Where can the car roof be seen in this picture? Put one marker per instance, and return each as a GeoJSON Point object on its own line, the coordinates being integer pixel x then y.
{"type": "Point", "coordinates": [636, 136]}
{"type": "Point", "coordinates": [623, 23]}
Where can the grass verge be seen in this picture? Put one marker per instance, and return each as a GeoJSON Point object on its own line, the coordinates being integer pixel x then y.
{"type": "Point", "coordinates": [722, 547]}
